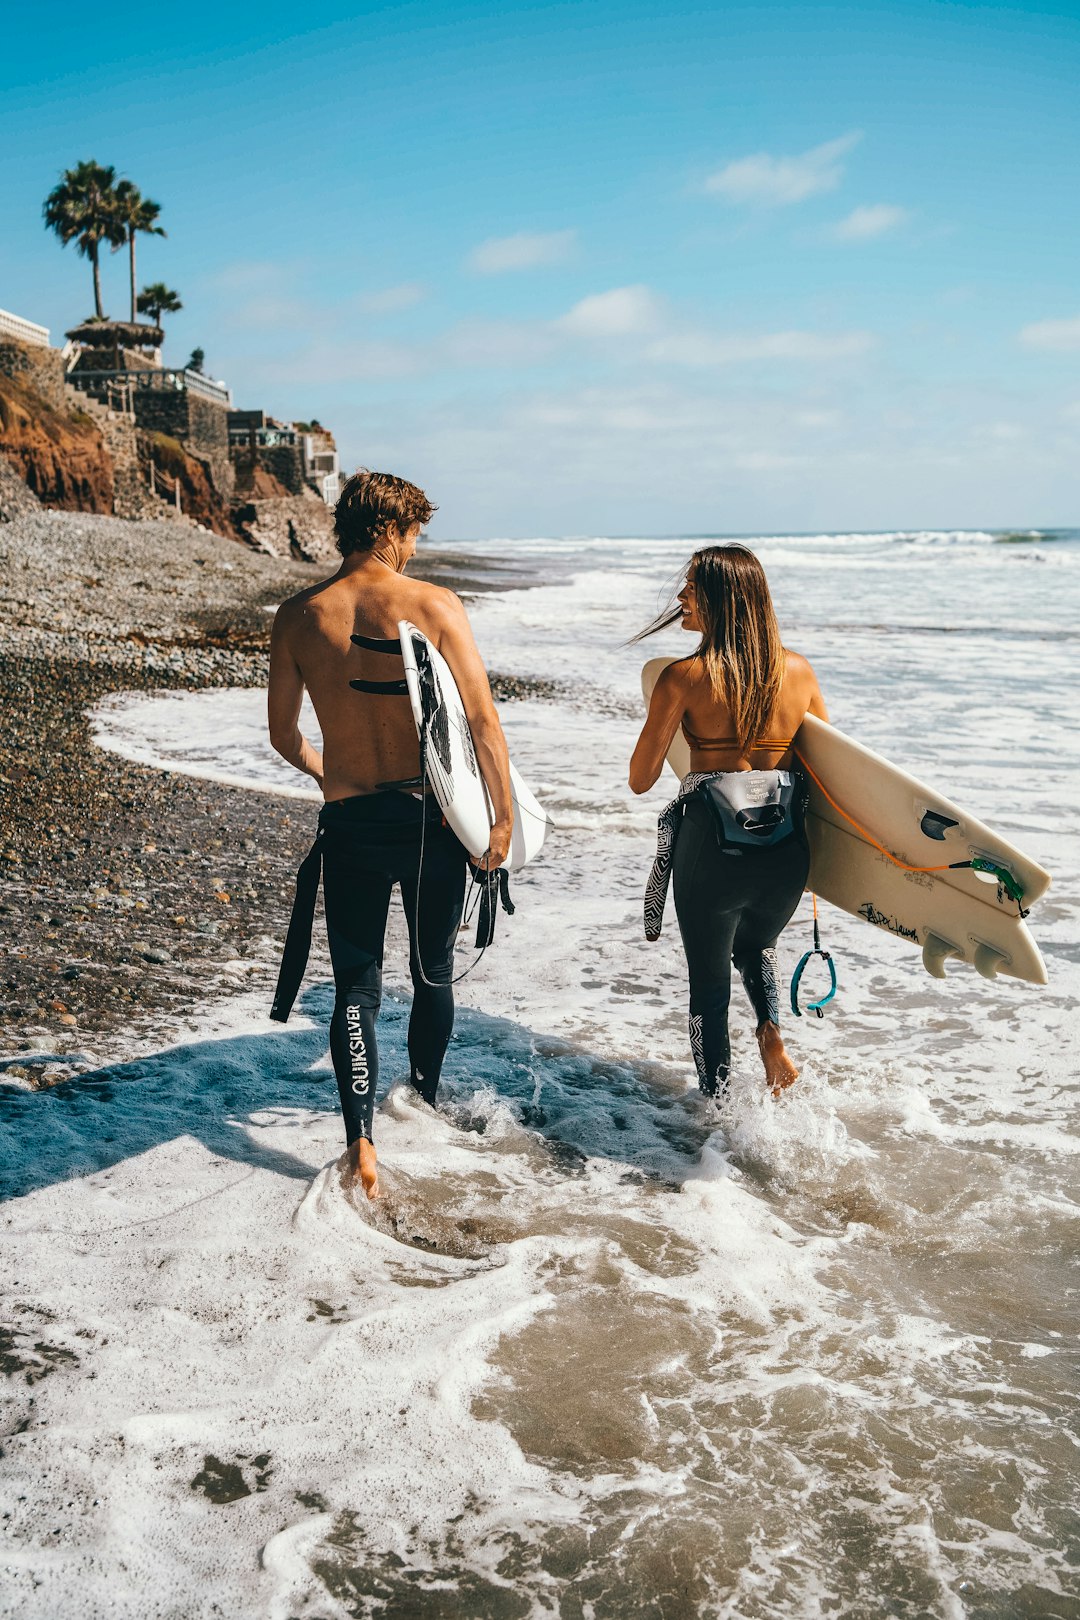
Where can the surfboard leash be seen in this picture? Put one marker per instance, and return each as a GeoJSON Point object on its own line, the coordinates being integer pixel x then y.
{"type": "Point", "coordinates": [978, 863]}
{"type": "Point", "coordinates": [494, 886]}
{"type": "Point", "coordinates": [816, 1007]}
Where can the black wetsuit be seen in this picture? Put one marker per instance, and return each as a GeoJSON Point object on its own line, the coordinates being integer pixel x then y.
{"type": "Point", "coordinates": [732, 899]}
{"type": "Point", "coordinates": [365, 845]}
{"type": "Point", "coordinates": [732, 906]}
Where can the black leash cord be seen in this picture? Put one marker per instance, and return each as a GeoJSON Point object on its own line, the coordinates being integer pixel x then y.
{"type": "Point", "coordinates": [488, 886]}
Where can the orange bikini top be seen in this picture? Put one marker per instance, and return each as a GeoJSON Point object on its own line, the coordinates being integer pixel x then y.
{"type": "Point", "coordinates": [707, 744]}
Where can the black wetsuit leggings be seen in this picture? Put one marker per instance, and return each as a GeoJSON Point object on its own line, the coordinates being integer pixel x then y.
{"type": "Point", "coordinates": [731, 907]}
{"type": "Point", "coordinates": [371, 843]}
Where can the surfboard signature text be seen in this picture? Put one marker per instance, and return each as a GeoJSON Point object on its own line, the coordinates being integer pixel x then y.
{"type": "Point", "coordinates": [880, 919]}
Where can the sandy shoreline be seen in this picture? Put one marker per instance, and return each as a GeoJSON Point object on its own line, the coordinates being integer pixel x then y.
{"type": "Point", "coordinates": [127, 890]}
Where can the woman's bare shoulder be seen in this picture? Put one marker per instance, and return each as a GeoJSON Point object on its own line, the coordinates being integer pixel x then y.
{"type": "Point", "coordinates": [798, 668]}
{"type": "Point", "coordinates": [681, 672]}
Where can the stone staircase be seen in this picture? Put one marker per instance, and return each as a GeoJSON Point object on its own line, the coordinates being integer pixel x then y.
{"type": "Point", "coordinates": [132, 498]}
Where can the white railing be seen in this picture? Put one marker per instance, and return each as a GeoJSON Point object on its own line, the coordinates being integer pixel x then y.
{"type": "Point", "coordinates": [196, 383]}
{"type": "Point", "coordinates": [152, 378]}
{"type": "Point", "coordinates": [25, 331]}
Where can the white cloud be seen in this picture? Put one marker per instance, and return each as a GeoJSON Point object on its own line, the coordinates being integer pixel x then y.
{"type": "Point", "coordinates": [622, 312]}
{"type": "Point", "coordinates": [390, 300]}
{"type": "Point", "coordinates": [1058, 336]}
{"type": "Point", "coordinates": [696, 348]}
{"type": "Point", "coordinates": [773, 182]}
{"type": "Point", "coordinates": [874, 219]}
{"type": "Point", "coordinates": [322, 362]}
{"type": "Point", "coordinates": [271, 313]}
{"type": "Point", "coordinates": [748, 458]}
{"type": "Point", "coordinates": [487, 343]}
{"type": "Point", "coordinates": [819, 419]}
{"type": "Point", "coordinates": [528, 250]}
{"type": "Point", "coordinates": [1000, 432]}
{"type": "Point", "coordinates": [253, 275]}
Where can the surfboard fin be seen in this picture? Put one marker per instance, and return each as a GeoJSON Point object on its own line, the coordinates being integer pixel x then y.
{"type": "Point", "coordinates": [935, 825]}
{"type": "Point", "coordinates": [934, 953]}
{"type": "Point", "coordinates": [989, 961]}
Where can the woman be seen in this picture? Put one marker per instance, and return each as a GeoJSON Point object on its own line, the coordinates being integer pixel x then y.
{"type": "Point", "coordinates": [734, 837]}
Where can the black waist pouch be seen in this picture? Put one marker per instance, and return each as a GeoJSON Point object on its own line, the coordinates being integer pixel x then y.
{"type": "Point", "coordinates": [755, 809]}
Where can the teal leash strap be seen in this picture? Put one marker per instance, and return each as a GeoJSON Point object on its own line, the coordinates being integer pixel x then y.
{"type": "Point", "coordinates": [816, 1007]}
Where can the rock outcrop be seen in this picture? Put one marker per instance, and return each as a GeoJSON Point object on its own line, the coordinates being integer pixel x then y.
{"type": "Point", "coordinates": [298, 526]}
{"type": "Point", "coordinates": [16, 498]}
{"type": "Point", "coordinates": [59, 452]}
{"type": "Point", "coordinates": [172, 464]}
{"type": "Point", "coordinates": [115, 453]}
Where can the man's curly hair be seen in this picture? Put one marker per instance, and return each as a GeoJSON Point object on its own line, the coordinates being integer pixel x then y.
{"type": "Point", "coordinates": [370, 503]}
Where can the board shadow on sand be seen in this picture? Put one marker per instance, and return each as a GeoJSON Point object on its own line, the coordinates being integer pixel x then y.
{"type": "Point", "coordinates": [583, 1105]}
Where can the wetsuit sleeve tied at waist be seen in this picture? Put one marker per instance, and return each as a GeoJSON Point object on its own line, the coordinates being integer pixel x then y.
{"type": "Point", "coordinates": [667, 830]}
{"type": "Point", "coordinates": [298, 940]}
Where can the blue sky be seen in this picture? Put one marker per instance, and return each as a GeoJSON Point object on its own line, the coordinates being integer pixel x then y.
{"type": "Point", "coordinates": [597, 267]}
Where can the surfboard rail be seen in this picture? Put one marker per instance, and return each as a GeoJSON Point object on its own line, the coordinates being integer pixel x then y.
{"type": "Point", "coordinates": [455, 774]}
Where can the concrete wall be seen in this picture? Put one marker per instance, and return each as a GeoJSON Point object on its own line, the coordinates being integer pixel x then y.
{"type": "Point", "coordinates": [208, 438]}
{"type": "Point", "coordinates": [284, 461]}
{"type": "Point", "coordinates": [201, 425]}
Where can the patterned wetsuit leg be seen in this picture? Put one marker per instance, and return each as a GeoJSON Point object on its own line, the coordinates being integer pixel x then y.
{"type": "Point", "coordinates": [730, 905]}
{"type": "Point", "coordinates": [371, 843]}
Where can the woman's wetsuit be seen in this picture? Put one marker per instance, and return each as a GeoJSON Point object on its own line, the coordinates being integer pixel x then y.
{"type": "Point", "coordinates": [732, 905]}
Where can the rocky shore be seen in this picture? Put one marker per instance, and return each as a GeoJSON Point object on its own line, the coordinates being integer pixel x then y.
{"type": "Point", "coordinates": [129, 895]}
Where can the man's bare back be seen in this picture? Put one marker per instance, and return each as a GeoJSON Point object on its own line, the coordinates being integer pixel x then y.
{"type": "Point", "coordinates": [370, 738]}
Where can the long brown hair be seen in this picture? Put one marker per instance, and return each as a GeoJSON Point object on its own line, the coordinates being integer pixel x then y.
{"type": "Point", "coordinates": [740, 644]}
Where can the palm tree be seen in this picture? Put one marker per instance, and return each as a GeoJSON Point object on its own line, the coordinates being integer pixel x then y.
{"type": "Point", "coordinates": [82, 209]}
{"type": "Point", "coordinates": [158, 300]}
{"type": "Point", "coordinates": [135, 213]}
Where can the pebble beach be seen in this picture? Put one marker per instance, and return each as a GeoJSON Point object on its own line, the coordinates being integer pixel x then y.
{"type": "Point", "coordinates": [124, 888]}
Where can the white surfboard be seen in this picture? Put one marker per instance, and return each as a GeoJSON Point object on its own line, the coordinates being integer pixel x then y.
{"type": "Point", "coordinates": [451, 758]}
{"type": "Point", "coordinates": [947, 914]}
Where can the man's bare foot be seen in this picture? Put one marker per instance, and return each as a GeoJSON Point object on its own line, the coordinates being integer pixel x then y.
{"type": "Point", "coordinates": [362, 1164]}
{"type": "Point", "coordinates": [780, 1072]}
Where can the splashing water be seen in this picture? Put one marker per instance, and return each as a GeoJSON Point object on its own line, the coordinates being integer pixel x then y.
{"type": "Point", "coordinates": [602, 1350]}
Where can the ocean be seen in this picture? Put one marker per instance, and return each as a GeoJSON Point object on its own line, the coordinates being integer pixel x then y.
{"type": "Point", "coordinates": [604, 1350]}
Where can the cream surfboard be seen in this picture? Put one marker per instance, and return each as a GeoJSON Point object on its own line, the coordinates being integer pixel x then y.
{"type": "Point", "coordinates": [451, 759]}
{"type": "Point", "coordinates": [946, 914]}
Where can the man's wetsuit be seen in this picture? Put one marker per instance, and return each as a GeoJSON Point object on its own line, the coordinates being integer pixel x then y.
{"type": "Point", "coordinates": [364, 846]}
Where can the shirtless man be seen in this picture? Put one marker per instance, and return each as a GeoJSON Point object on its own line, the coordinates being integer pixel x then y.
{"type": "Point", "coordinates": [339, 641]}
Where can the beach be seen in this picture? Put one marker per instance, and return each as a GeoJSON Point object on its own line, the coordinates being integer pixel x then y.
{"type": "Point", "coordinates": [603, 1349]}
{"type": "Point", "coordinates": [122, 885]}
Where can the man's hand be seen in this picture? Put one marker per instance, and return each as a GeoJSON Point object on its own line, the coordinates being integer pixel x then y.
{"type": "Point", "coordinates": [498, 847]}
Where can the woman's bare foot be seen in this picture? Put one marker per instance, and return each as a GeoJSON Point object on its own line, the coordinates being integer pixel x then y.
{"type": "Point", "coordinates": [780, 1072]}
{"type": "Point", "coordinates": [362, 1164]}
